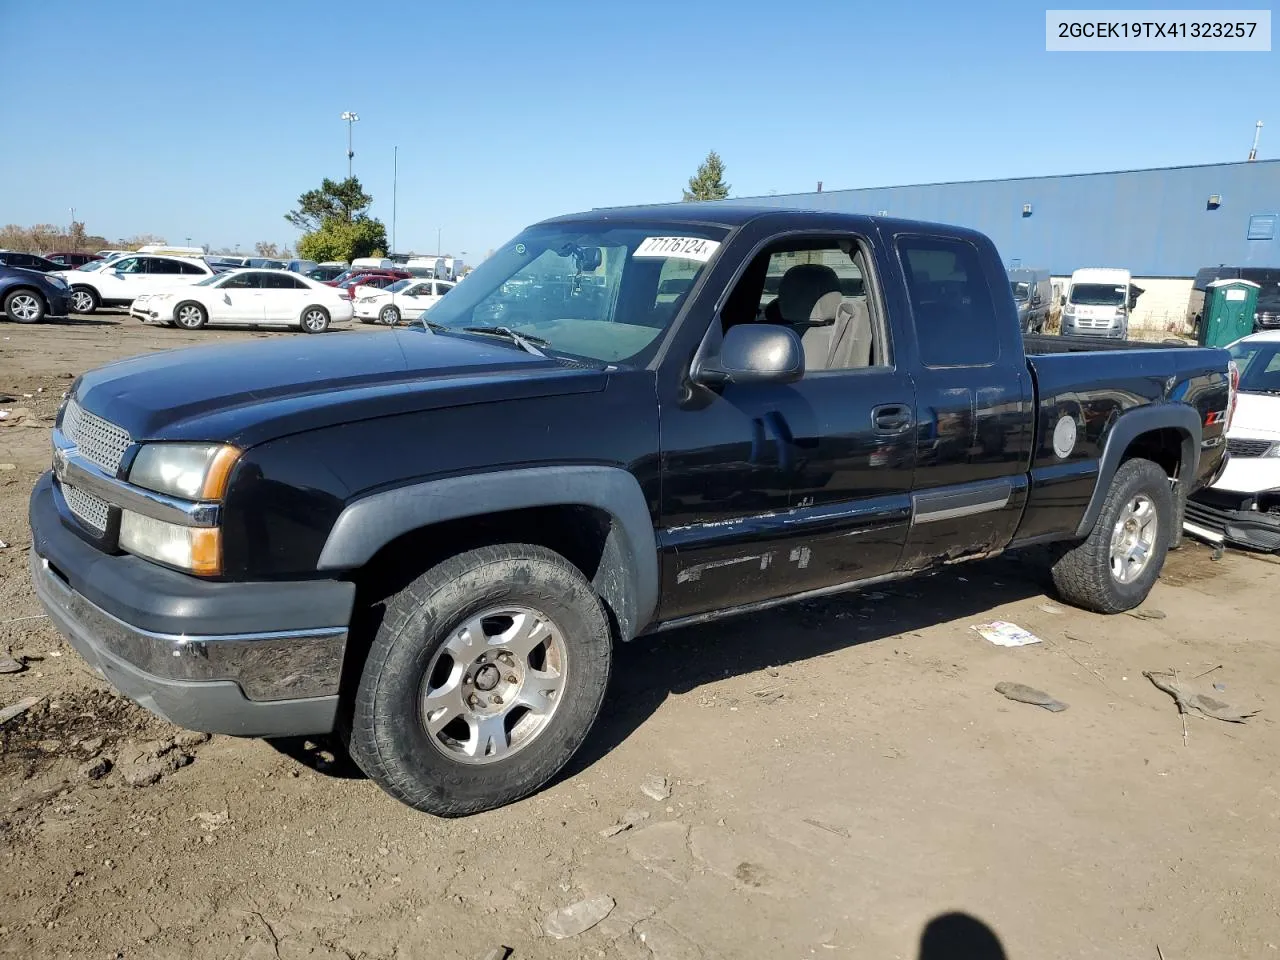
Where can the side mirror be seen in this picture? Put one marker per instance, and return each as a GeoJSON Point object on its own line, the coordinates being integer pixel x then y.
{"type": "Point", "coordinates": [754, 353]}
{"type": "Point", "coordinates": [1062, 300]}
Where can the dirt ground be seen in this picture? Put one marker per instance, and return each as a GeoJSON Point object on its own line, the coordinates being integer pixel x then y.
{"type": "Point", "coordinates": [840, 773]}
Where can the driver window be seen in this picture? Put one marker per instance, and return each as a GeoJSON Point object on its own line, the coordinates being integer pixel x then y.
{"type": "Point", "coordinates": [243, 281]}
{"type": "Point", "coordinates": [128, 265]}
{"type": "Point", "coordinates": [818, 288]}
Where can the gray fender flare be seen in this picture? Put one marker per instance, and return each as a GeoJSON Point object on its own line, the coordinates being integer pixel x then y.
{"type": "Point", "coordinates": [1127, 427]}
{"type": "Point", "coordinates": [628, 577]}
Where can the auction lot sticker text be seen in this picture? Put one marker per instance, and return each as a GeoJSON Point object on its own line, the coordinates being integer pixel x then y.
{"type": "Point", "coordinates": [1120, 31]}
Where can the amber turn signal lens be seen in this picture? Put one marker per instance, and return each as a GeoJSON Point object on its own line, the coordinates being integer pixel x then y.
{"type": "Point", "coordinates": [215, 481]}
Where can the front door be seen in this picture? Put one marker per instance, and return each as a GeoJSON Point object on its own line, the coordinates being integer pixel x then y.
{"type": "Point", "coordinates": [771, 490]}
{"type": "Point", "coordinates": [238, 300]}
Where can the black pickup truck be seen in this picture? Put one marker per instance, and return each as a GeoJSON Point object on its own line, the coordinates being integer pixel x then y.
{"type": "Point", "coordinates": [429, 538]}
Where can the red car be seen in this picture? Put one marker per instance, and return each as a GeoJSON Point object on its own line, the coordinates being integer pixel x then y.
{"type": "Point", "coordinates": [362, 275]}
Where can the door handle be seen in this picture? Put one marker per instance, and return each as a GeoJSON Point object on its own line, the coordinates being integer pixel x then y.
{"type": "Point", "coordinates": [891, 418]}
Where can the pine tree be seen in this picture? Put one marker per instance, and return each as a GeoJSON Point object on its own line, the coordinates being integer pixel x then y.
{"type": "Point", "coordinates": [708, 183]}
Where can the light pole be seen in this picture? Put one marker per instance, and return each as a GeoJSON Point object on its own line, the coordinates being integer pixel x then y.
{"type": "Point", "coordinates": [351, 119]}
{"type": "Point", "coordinates": [439, 248]}
{"type": "Point", "coordinates": [395, 170]}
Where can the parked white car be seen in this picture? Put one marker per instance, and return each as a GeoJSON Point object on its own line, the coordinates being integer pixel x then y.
{"type": "Point", "coordinates": [402, 300]}
{"type": "Point", "coordinates": [1243, 507]}
{"type": "Point", "coordinates": [248, 297]}
{"type": "Point", "coordinates": [120, 282]}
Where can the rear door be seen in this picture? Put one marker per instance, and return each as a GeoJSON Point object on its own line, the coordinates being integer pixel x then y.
{"type": "Point", "coordinates": [282, 297]}
{"type": "Point", "coordinates": [973, 400]}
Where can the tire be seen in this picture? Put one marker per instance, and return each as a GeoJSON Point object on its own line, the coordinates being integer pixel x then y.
{"type": "Point", "coordinates": [84, 300]}
{"type": "Point", "coordinates": [25, 306]}
{"type": "Point", "coordinates": [1095, 573]}
{"type": "Point", "coordinates": [314, 320]}
{"type": "Point", "coordinates": [412, 656]}
{"type": "Point", "coordinates": [190, 315]}
{"type": "Point", "coordinates": [390, 315]}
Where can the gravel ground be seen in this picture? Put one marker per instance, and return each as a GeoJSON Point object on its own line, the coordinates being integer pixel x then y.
{"type": "Point", "coordinates": [822, 780]}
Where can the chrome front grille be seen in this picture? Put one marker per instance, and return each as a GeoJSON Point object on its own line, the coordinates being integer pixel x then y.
{"type": "Point", "coordinates": [101, 443]}
{"type": "Point", "coordinates": [88, 509]}
{"type": "Point", "coordinates": [1247, 448]}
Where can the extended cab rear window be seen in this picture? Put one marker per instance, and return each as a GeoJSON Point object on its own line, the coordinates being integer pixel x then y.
{"type": "Point", "coordinates": [951, 302]}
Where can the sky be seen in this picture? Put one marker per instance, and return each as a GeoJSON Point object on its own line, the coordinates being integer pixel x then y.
{"type": "Point", "coordinates": [206, 121]}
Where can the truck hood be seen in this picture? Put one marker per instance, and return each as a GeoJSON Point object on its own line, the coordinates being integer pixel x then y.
{"type": "Point", "coordinates": [246, 393]}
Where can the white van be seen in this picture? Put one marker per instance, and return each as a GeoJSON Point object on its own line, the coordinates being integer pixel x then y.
{"type": "Point", "coordinates": [428, 268]}
{"type": "Point", "coordinates": [168, 251]}
{"type": "Point", "coordinates": [374, 263]}
{"type": "Point", "coordinates": [1098, 303]}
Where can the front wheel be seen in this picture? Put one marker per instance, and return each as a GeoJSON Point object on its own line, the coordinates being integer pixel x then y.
{"type": "Point", "coordinates": [190, 316]}
{"type": "Point", "coordinates": [484, 678]}
{"type": "Point", "coordinates": [24, 306]}
{"type": "Point", "coordinates": [1115, 568]}
{"type": "Point", "coordinates": [84, 300]}
{"type": "Point", "coordinates": [315, 320]}
{"type": "Point", "coordinates": [390, 315]}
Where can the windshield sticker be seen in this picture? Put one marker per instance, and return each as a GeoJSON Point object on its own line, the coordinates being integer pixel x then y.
{"type": "Point", "coordinates": [677, 248]}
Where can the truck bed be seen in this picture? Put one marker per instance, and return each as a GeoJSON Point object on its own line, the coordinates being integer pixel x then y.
{"type": "Point", "coordinates": [1040, 344]}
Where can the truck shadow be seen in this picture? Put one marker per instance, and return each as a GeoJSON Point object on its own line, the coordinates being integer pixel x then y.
{"type": "Point", "coordinates": [652, 668]}
{"type": "Point", "coordinates": [648, 670]}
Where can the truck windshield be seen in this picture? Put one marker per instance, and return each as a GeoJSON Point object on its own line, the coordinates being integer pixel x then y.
{"type": "Point", "coordinates": [596, 290]}
{"type": "Point", "coordinates": [1020, 290]}
{"type": "Point", "coordinates": [1259, 362]}
{"type": "Point", "coordinates": [1097, 294]}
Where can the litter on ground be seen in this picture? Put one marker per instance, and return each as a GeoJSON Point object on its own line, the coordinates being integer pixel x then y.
{"type": "Point", "coordinates": [1005, 634]}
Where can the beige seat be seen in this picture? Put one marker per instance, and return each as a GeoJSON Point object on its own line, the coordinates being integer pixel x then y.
{"type": "Point", "coordinates": [808, 299]}
{"type": "Point", "coordinates": [851, 336]}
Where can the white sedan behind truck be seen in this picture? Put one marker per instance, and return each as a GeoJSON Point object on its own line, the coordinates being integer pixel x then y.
{"type": "Point", "coordinates": [402, 300]}
{"type": "Point", "coordinates": [248, 298]}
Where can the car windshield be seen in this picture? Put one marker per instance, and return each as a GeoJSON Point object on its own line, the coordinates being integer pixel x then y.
{"type": "Point", "coordinates": [1020, 290]}
{"type": "Point", "coordinates": [397, 286]}
{"type": "Point", "coordinates": [1259, 363]}
{"type": "Point", "coordinates": [1097, 294]}
{"type": "Point", "coordinates": [587, 289]}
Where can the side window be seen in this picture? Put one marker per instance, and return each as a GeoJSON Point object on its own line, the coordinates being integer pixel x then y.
{"type": "Point", "coordinates": [280, 281]}
{"type": "Point", "coordinates": [160, 265]}
{"type": "Point", "coordinates": [128, 265]}
{"type": "Point", "coordinates": [189, 269]}
{"type": "Point", "coordinates": [243, 281]}
{"type": "Point", "coordinates": [818, 287]}
{"type": "Point", "coordinates": [950, 301]}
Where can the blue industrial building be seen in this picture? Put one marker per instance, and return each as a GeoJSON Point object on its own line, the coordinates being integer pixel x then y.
{"type": "Point", "coordinates": [1166, 222]}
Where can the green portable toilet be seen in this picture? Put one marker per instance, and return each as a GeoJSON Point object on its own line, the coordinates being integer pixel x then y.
{"type": "Point", "coordinates": [1229, 306]}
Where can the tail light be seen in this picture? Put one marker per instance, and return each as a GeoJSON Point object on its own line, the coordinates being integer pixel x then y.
{"type": "Point", "coordinates": [1233, 381]}
{"type": "Point", "coordinates": [344, 294]}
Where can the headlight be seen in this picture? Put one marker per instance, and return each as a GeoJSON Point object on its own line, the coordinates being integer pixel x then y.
{"type": "Point", "coordinates": [198, 549]}
{"type": "Point", "coordinates": [193, 471]}
{"type": "Point", "coordinates": [368, 299]}
{"type": "Point", "coordinates": [55, 281]}
{"type": "Point", "coordinates": [1273, 450]}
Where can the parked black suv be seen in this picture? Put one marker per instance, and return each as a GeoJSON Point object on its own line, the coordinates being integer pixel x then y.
{"type": "Point", "coordinates": [28, 261]}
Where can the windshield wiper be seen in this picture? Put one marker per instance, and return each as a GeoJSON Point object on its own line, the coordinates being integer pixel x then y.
{"type": "Point", "coordinates": [525, 343]}
{"type": "Point", "coordinates": [430, 325]}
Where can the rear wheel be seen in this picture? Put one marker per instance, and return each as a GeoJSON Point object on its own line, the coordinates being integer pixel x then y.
{"type": "Point", "coordinates": [1115, 568]}
{"type": "Point", "coordinates": [484, 678]}
{"type": "Point", "coordinates": [315, 320]}
{"type": "Point", "coordinates": [84, 300]}
{"type": "Point", "coordinates": [390, 315]}
{"type": "Point", "coordinates": [24, 306]}
{"type": "Point", "coordinates": [190, 316]}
